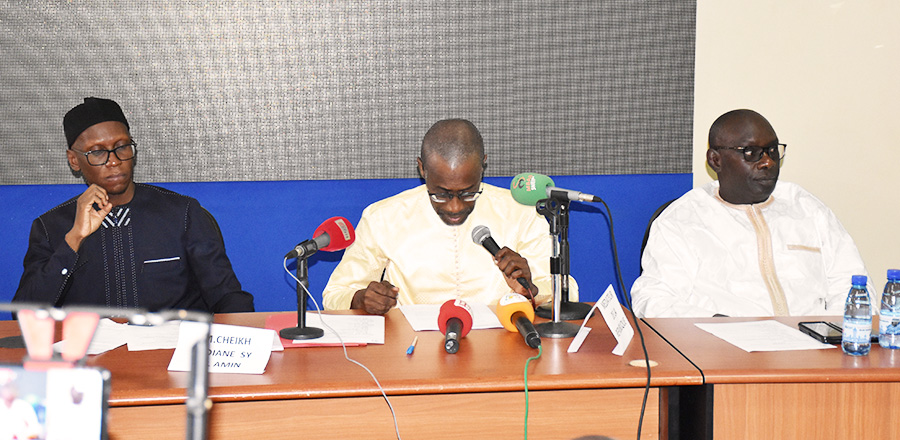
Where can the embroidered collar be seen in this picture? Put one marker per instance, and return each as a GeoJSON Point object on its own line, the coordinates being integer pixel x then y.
{"type": "Point", "coordinates": [760, 205]}
{"type": "Point", "coordinates": [120, 216]}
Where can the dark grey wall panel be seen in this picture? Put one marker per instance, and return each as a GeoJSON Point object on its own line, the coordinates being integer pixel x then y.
{"type": "Point", "coordinates": [277, 90]}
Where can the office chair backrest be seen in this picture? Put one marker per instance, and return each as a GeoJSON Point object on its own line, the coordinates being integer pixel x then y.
{"type": "Point", "coordinates": [649, 224]}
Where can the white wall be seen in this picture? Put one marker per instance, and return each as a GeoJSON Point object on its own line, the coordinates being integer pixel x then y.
{"type": "Point", "coordinates": [825, 74]}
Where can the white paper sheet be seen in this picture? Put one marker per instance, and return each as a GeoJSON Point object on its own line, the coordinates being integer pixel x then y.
{"type": "Point", "coordinates": [766, 335]}
{"type": "Point", "coordinates": [109, 335]}
{"type": "Point", "coordinates": [424, 316]}
{"type": "Point", "coordinates": [353, 329]}
{"type": "Point", "coordinates": [153, 337]}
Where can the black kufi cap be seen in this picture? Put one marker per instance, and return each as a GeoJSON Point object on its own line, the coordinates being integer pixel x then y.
{"type": "Point", "coordinates": [92, 111]}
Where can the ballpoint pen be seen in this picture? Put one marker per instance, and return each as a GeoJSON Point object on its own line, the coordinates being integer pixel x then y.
{"type": "Point", "coordinates": [412, 346]}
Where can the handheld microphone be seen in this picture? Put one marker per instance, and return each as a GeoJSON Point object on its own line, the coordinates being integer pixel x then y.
{"type": "Point", "coordinates": [529, 188]}
{"type": "Point", "coordinates": [333, 234]}
{"type": "Point", "coordinates": [516, 314]}
{"type": "Point", "coordinates": [455, 321]}
{"type": "Point", "coordinates": [482, 235]}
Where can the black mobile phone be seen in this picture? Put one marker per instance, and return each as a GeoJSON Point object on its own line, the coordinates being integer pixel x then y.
{"type": "Point", "coordinates": [68, 402]}
{"type": "Point", "coordinates": [822, 331]}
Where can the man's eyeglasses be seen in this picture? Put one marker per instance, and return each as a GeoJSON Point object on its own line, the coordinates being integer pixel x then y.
{"type": "Point", "coordinates": [754, 154]}
{"type": "Point", "coordinates": [466, 196]}
{"type": "Point", "coordinates": [100, 157]}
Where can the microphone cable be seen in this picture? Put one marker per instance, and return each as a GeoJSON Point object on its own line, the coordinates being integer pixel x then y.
{"type": "Point", "coordinates": [612, 237]}
{"type": "Point", "coordinates": [540, 351]}
{"type": "Point", "coordinates": [346, 356]}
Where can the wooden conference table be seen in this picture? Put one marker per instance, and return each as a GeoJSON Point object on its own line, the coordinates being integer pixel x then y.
{"type": "Point", "coordinates": [807, 394]}
{"type": "Point", "coordinates": [475, 393]}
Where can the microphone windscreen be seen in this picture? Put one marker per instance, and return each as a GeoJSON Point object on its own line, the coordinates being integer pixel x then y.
{"type": "Point", "coordinates": [455, 308]}
{"type": "Point", "coordinates": [482, 235]}
{"type": "Point", "coordinates": [511, 303]}
{"type": "Point", "coordinates": [479, 233]}
{"type": "Point", "coordinates": [340, 232]}
{"type": "Point", "coordinates": [528, 188]}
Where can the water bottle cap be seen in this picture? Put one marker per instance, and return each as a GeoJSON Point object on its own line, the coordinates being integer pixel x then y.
{"type": "Point", "coordinates": [858, 280]}
{"type": "Point", "coordinates": [893, 274]}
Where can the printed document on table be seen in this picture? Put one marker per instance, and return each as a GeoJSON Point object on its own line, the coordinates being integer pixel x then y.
{"type": "Point", "coordinates": [353, 329]}
{"type": "Point", "coordinates": [110, 335]}
{"type": "Point", "coordinates": [424, 316]}
{"type": "Point", "coordinates": [763, 336]}
{"type": "Point", "coordinates": [154, 337]}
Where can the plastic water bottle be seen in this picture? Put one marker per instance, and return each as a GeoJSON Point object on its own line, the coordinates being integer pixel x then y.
{"type": "Point", "coordinates": [857, 319]}
{"type": "Point", "coordinates": [889, 320]}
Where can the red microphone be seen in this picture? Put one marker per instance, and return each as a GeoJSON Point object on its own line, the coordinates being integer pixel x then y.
{"type": "Point", "coordinates": [333, 234]}
{"type": "Point", "coordinates": [455, 321]}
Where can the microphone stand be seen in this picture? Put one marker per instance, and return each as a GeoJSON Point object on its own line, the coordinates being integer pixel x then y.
{"type": "Point", "coordinates": [198, 402]}
{"type": "Point", "coordinates": [556, 212]}
{"type": "Point", "coordinates": [301, 331]}
{"type": "Point", "coordinates": [558, 215]}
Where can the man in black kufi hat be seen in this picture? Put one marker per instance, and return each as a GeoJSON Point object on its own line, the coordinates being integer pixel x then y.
{"type": "Point", "coordinates": [120, 243]}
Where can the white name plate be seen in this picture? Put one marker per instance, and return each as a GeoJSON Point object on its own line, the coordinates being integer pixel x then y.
{"type": "Point", "coordinates": [232, 348]}
{"type": "Point", "coordinates": [615, 318]}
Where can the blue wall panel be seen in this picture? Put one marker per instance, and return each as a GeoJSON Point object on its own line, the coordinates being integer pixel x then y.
{"type": "Point", "coordinates": [261, 221]}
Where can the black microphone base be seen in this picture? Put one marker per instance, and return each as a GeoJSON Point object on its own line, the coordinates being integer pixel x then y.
{"type": "Point", "coordinates": [292, 333]}
{"type": "Point", "coordinates": [556, 330]}
{"type": "Point", "coordinates": [568, 311]}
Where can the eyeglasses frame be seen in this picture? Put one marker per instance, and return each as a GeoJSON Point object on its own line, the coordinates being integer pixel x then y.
{"type": "Point", "coordinates": [87, 154]}
{"type": "Point", "coordinates": [763, 150]}
{"type": "Point", "coordinates": [462, 195]}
